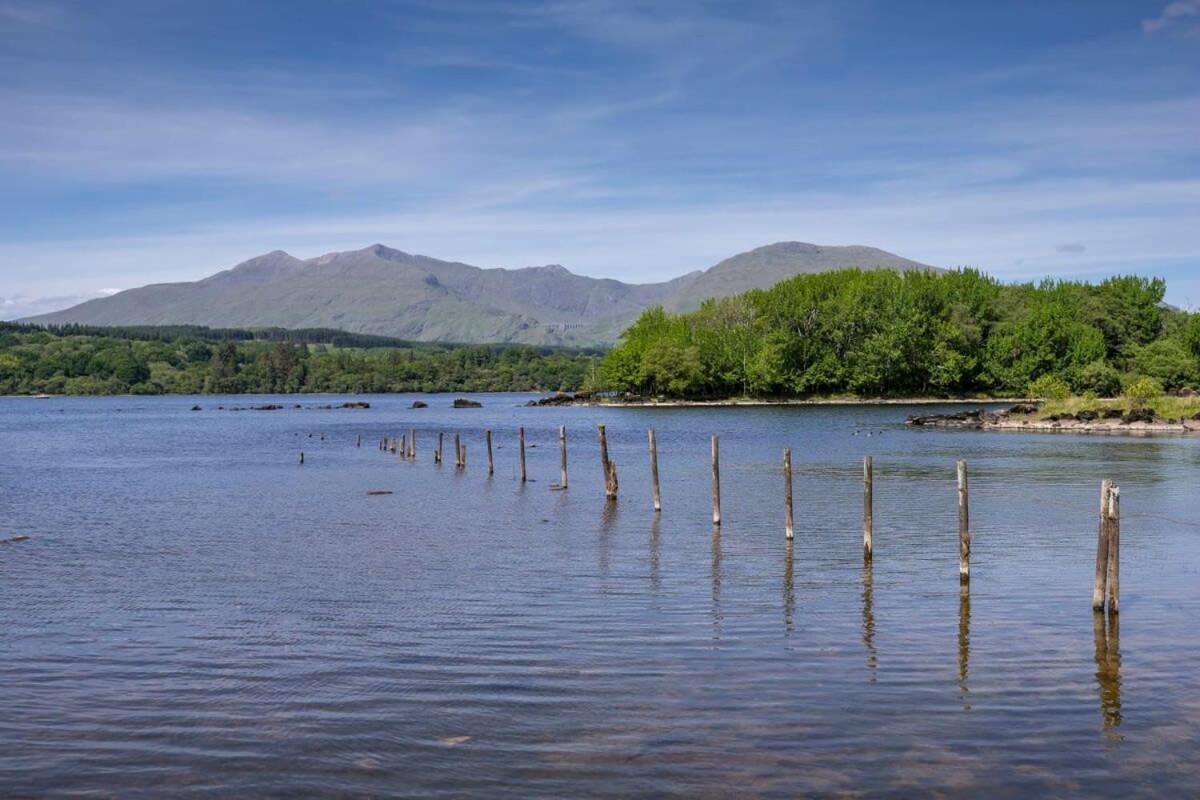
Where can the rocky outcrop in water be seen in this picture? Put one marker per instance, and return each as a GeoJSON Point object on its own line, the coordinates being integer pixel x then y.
{"type": "Point", "coordinates": [1020, 418]}
{"type": "Point", "coordinates": [463, 402]}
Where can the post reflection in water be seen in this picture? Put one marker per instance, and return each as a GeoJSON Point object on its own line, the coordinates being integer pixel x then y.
{"type": "Point", "coordinates": [716, 581]}
{"type": "Point", "coordinates": [964, 641]}
{"type": "Point", "coordinates": [655, 553]}
{"type": "Point", "coordinates": [789, 589]}
{"type": "Point", "coordinates": [608, 521]}
{"type": "Point", "coordinates": [868, 615]}
{"type": "Point", "coordinates": [1107, 633]}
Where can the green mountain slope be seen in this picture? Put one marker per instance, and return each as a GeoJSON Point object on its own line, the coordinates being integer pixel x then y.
{"type": "Point", "coordinates": [383, 291]}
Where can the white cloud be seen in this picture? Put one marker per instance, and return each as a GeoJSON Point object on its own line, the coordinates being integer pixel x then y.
{"type": "Point", "coordinates": [1172, 13]}
{"type": "Point", "coordinates": [19, 306]}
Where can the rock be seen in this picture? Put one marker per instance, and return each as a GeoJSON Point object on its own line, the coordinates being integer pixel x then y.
{"type": "Point", "coordinates": [419, 404]}
{"type": "Point", "coordinates": [463, 402]}
{"type": "Point", "coordinates": [14, 540]}
{"type": "Point", "coordinates": [356, 405]}
{"type": "Point", "coordinates": [556, 399]}
{"type": "Point", "coordinates": [1024, 408]}
{"type": "Point", "coordinates": [268, 407]}
{"type": "Point", "coordinates": [197, 408]}
{"type": "Point", "coordinates": [378, 492]}
{"type": "Point", "coordinates": [972, 419]}
{"type": "Point", "coordinates": [1087, 416]}
{"type": "Point", "coordinates": [1139, 415]}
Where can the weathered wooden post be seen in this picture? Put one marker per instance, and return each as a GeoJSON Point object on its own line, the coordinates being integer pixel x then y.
{"type": "Point", "coordinates": [1098, 585]}
{"type": "Point", "coordinates": [654, 471]}
{"type": "Point", "coordinates": [521, 442]}
{"type": "Point", "coordinates": [359, 442]}
{"type": "Point", "coordinates": [403, 446]}
{"type": "Point", "coordinates": [457, 451]}
{"type": "Point", "coordinates": [562, 456]}
{"type": "Point", "coordinates": [1114, 550]}
{"type": "Point", "coordinates": [412, 442]}
{"type": "Point", "coordinates": [491, 463]}
{"type": "Point", "coordinates": [463, 459]}
{"type": "Point", "coordinates": [610, 470]}
{"type": "Point", "coordinates": [789, 525]}
{"type": "Point", "coordinates": [964, 525]}
{"type": "Point", "coordinates": [302, 458]}
{"type": "Point", "coordinates": [437, 454]}
{"type": "Point", "coordinates": [716, 479]}
{"type": "Point", "coordinates": [868, 507]}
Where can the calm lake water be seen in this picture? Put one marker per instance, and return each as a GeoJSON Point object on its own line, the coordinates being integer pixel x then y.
{"type": "Point", "coordinates": [197, 614]}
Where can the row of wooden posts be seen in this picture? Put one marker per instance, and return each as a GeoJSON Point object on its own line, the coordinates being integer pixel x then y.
{"type": "Point", "coordinates": [1106, 590]}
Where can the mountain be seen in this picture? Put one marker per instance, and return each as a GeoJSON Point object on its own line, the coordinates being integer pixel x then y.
{"type": "Point", "coordinates": [383, 291]}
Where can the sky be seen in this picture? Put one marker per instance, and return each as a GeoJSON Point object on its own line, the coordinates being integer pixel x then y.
{"type": "Point", "coordinates": [147, 141]}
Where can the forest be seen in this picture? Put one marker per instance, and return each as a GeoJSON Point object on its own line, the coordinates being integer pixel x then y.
{"type": "Point", "coordinates": [919, 333]}
{"type": "Point", "coordinates": [187, 360]}
{"type": "Point", "coordinates": [875, 333]}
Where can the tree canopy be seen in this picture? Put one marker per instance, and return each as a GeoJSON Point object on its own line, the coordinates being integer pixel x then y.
{"type": "Point", "coordinates": [882, 332]}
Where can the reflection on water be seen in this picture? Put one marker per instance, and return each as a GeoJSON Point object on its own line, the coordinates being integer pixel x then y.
{"type": "Point", "coordinates": [789, 587]}
{"type": "Point", "coordinates": [716, 581]}
{"type": "Point", "coordinates": [964, 641]}
{"type": "Point", "coordinates": [656, 553]}
{"type": "Point", "coordinates": [196, 614]}
{"type": "Point", "coordinates": [1106, 630]}
{"type": "Point", "coordinates": [868, 615]}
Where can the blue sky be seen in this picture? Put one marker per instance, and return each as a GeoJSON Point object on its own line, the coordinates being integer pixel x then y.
{"type": "Point", "coordinates": [168, 139]}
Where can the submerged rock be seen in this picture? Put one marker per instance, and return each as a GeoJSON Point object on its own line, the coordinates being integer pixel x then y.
{"type": "Point", "coordinates": [463, 402]}
{"type": "Point", "coordinates": [419, 404]}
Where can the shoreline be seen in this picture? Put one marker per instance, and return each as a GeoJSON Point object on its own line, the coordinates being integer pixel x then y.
{"type": "Point", "coordinates": [757, 403]}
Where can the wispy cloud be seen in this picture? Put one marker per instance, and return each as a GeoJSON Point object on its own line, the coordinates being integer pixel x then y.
{"type": "Point", "coordinates": [26, 12]}
{"type": "Point", "coordinates": [20, 306]}
{"type": "Point", "coordinates": [1179, 11]}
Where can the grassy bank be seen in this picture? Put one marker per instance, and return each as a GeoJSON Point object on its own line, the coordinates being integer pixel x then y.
{"type": "Point", "coordinates": [1164, 408]}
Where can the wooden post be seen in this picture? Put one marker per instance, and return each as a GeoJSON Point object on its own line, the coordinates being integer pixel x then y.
{"type": "Point", "coordinates": [1101, 549]}
{"type": "Point", "coordinates": [964, 525]}
{"type": "Point", "coordinates": [463, 460]}
{"type": "Point", "coordinates": [1114, 550]}
{"type": "Point", "coordinates": [491, 464]}
{"type": "Point", "coordinates": [412, 442]}
{"type": "Point", "coordinates": [359, 442]}
{"type": "Point", "coordinates": [562, 456]}
{"type": "Point", "coordinates": [610, 470]}
{"type": "Point", "coordinates": [868, 507]}
{"type": "Point", "coordinates": [457, 451]}
{"type": "Point", "coordinates": [403, 446]}
{"type": "Point", "coordinates": [789, 524]}
{"type": "Point", "coordinates": [716, 480]}
{"type": "Point", "coordinates": [302, 458]}
{"type": "Point", "coordinates": [521, 441]}
{"type": "Point", "coordinates": [654, 471]}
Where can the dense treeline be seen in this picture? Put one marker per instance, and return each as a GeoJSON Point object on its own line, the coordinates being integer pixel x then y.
{"type": "Point", "coordinates": [91, 361]}
{"type": "Point", "coordinates": [170, 333]}
{"type": "Point", "coordinates": [917, 333]}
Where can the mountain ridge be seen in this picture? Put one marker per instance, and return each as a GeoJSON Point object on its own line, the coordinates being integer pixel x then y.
{"type": "Point", "coordinates": [385, 291]}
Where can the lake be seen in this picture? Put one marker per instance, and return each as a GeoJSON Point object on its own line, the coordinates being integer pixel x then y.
{"type": "Point", "coordinates": [197, 614]}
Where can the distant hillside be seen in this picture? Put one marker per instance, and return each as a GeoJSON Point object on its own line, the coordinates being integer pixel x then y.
{"type": "Point", "coordinates": [387, 292]}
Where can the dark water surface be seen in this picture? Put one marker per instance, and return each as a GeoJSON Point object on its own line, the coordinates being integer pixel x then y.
{"type": "Point", "coordinates": [197, 614]}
